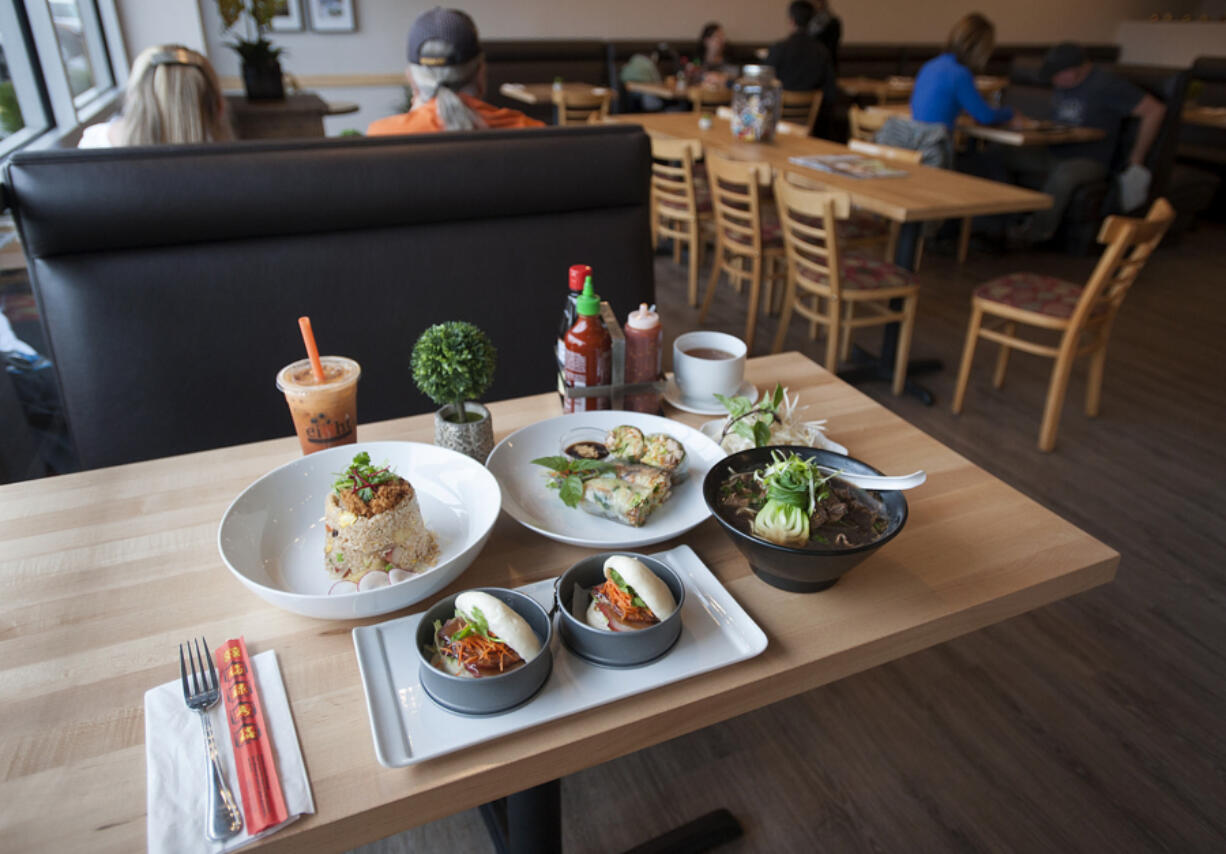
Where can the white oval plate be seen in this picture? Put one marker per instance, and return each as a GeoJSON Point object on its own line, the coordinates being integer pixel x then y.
{"type": "Point", "coordinates": [528, 499]}
{"type": "Point", "coordinates": [272, 535]}
{"type": "Point", "coordinates": [713, 429]}
{"type": "Point", "coordinates": [672, 393]}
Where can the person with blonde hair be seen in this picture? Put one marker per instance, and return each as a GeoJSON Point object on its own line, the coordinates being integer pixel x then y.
{"type": "Point", "coordinates": [945, 85]}
{"type": "Point", "coordinates": [173, 96]}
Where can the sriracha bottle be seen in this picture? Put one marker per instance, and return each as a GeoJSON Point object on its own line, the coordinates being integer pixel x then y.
{"type": "Point", "coordinates": [589, 353]}
{"type": "Point", "coordinates": [576, 276]}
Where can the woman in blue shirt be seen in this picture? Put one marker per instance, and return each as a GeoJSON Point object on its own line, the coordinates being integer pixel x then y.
{"type": "Point", "coordinates": [945, 86]}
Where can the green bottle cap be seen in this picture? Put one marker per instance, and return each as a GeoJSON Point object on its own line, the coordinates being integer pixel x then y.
{"type": "Point", "coordinates": [588, 303]}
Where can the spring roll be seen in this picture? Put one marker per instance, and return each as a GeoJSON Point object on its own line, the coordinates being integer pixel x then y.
{"type": "Point", "coordinates": [619, 500]}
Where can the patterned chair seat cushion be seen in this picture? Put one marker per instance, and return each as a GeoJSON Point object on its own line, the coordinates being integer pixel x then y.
{"type": "Point", "coordinates": [1040, 294]}
{"type": "Point", "coordinates": [866, 274]}
{"type": "Point", "coordinates": [862, 225]}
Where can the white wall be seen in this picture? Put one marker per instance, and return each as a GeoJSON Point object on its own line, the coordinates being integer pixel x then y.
{"type": "Point", "coordinates": [1170, 42]}
{"type": "Point", "coordinates": [149, 22]}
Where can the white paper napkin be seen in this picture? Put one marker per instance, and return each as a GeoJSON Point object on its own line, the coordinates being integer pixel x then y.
{"type": "Point", "coordinates": [177, 763]}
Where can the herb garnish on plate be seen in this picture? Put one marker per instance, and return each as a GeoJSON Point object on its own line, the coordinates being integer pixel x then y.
{"type": "Point", "coordinates": [362, 477]}
{"type": "Point", "coordinates": [569, 475]}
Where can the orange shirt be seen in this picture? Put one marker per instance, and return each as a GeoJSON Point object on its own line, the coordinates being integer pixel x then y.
{"type": "Point", "coordinates": [425, 119]}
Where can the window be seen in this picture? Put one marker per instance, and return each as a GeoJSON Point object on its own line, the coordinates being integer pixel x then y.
{"type": "Point", "coordinates": [60, 62]}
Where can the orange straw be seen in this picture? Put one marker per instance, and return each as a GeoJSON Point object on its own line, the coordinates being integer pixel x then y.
{"type": "Point", "coordinates": [308, 338]}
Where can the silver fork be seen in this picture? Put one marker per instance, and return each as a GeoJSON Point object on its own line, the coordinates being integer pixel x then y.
{"type": "Point", "coordinates": [222, 818]}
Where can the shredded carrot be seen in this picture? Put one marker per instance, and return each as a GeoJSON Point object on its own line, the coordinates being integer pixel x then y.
{"type": "Point", "coordinates": [623, 604]}
{"type": "Point", "coordinates": [477, 651]}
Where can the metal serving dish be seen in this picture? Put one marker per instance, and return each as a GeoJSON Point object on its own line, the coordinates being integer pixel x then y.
{"type": "Point", "coordinates": [614, 649]}
{"type": "Point", "coordinates": [489, 694]}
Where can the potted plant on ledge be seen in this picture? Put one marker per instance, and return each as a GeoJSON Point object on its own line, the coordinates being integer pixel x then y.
{"type": "Point", "coordinates": [453, 364]}
{"type": "Point", "coordinates": [261, 61]}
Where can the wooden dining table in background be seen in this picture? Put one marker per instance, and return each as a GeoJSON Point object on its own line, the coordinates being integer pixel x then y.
{"type": "Point", "coordinates": [922, 195]}
{"type": "Point", "coordinates": [1041, 134]}
{"type": "Point", "coordinates": [893, 88]}
{"type": "Point", "coordinates": [106, 571]}
{"type": "Point", "coordinates": [542, 93]}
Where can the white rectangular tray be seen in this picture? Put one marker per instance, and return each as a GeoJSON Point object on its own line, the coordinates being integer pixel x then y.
{"type": "Point", "coordinates": [408, 727]}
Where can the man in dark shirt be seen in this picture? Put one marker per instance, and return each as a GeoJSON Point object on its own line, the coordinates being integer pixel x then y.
{"type": "Point", "coordinates": [801, 63]}
{"type": "Point", "coordinates": [1085, 96]}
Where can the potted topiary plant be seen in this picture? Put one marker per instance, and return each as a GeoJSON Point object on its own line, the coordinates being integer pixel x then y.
{"type": "Point", "coordinates": [453, 364]}
{"type": "Point", "coordinates": [261, 61]}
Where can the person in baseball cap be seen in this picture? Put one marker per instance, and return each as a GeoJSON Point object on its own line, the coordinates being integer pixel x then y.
{"type": "Point", "coordinates": [447, 75]}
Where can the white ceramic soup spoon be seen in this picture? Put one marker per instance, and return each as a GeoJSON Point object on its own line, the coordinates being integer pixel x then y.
{"type": "Point", "coordinates": [879, 482]}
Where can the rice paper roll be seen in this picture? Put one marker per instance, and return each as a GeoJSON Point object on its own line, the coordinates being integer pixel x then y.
{"type": "Point", "coordinates": [626, 443]}
{"type": "Point", "coordinates": [619, 500]}
{"type": "Point", "coordinates": [658, 481]}
{"type": "Point", "coordinates": [665, 452]}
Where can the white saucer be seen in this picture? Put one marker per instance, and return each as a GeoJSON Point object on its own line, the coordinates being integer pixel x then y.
{"type": "Point", "coordinates": [673, 395]}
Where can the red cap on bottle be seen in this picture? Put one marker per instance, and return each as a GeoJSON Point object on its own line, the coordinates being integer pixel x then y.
{"type": "Point", "coordinates": [578, 275]}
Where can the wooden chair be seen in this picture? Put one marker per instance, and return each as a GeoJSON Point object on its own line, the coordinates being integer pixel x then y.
{"type": "Point", "coordinates": [801, 108]}
{"type": "Point", "coordinates": [867, 229]}
{"type": "Point", "coordinates": [581, 107]}
{"type": "Point", "coordinates": [680, 209]}
{"type": "Point", "coordinates": [746, 248]}
{"type": "Point", "coordinates": [1082, 316]}
{"type": "Point", "coordinates": [707, 99]}
{"type": "Point", "coordinates": [864, 125]}
{"type": "Point", "coordinates": [826, 287]}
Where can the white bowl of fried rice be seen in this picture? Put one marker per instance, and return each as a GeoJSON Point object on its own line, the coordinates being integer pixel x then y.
{"type": "Point", "coordinates": [274, 534]}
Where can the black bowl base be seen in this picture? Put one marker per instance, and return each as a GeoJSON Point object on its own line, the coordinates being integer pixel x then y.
{"type": "Point", "coordinates": [455, 710]}
{"type": "Point", "coordinates": [610, 665]}
{"type": "Point", "coordinates": [790, 584]}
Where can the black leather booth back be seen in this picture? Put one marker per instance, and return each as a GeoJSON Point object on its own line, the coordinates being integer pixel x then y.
{"type": "Point", "coordinates": [170, 279]}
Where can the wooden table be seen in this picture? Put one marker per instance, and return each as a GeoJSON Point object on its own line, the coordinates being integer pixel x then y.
{"type": "Point", "coordinates": [1210, 117]}
{"type": "Point", "coordinates": [924, 194]}
{"type": "Point", "coordinates": [542, 93]}
{"type": "Point", "coordinates": [666, 89]}
{"type": "Point", "coordinates": [1059, 135]}
{"type": "Point", "coordinates": [901, 87]}
{"type": "Point", "coordinates": [104, 572]}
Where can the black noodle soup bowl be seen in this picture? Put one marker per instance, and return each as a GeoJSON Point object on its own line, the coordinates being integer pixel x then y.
{"type": "Point", "coordinates": [799, 570]}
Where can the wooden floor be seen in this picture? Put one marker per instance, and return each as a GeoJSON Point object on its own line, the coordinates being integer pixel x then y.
{"type": "Point", "coordinates": [1097, 724]}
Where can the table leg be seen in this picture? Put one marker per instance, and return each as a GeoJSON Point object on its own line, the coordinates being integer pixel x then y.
{"type": "Point", "coordinates": [527, 822]}
{"type": "Point", "coordinates": [530, 822]}
{"type": "Point", "coordinates": [866, 366]}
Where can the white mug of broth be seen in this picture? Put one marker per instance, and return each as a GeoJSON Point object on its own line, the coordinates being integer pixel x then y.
{"type": "Point", "coordinates": [706, 364]}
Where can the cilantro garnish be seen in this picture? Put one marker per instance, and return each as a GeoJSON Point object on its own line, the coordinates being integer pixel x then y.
{"type": "Point", "coordinates": [626, 588]}
{"type": "Point", "coordinates": [569, 474]}
{"type": "Point", "coordinates": [474, 623]}
{"type": "Point", "coordinates": [362, 477]}
{"type": "Point", "coordinates": [749, 421]}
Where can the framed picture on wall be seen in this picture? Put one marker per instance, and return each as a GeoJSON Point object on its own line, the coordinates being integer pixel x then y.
{"type": "Point", "coordinates": [287, 16]}
{"type": "Point", "coordinates": [332, 16]}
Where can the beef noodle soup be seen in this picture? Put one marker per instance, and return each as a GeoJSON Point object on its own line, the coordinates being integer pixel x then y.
{"type": "Point", "coordinates": [792, 503]}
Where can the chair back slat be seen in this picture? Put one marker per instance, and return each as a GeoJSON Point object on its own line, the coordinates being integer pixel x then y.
{"type": "Point", "coordinates": [864, 124]}
{"type": "Point", "coordinates": [672, 177]}
{"type": "Point", "coordinates": [706, 98]}
{"type": "Point", "coordinates": [736, 199]}
{"type": "Point", "coordinates": [889, 152]}
{"type": "Point", "coordinates": [808, 219]}
{"type": "Point", "coordinates": [1130, 241]}
{"type": "Point", "coordinates": [581, 107]}
{"type": "Point", "coordinates": [801, 108]}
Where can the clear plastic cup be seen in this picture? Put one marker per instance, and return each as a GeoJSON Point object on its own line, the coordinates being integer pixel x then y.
{"type": "Point", "coordinates": [325, 414]}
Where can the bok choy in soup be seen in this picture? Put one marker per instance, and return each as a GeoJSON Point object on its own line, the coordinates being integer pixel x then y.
{"type": "Point", "coordinates": [792, 502]}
